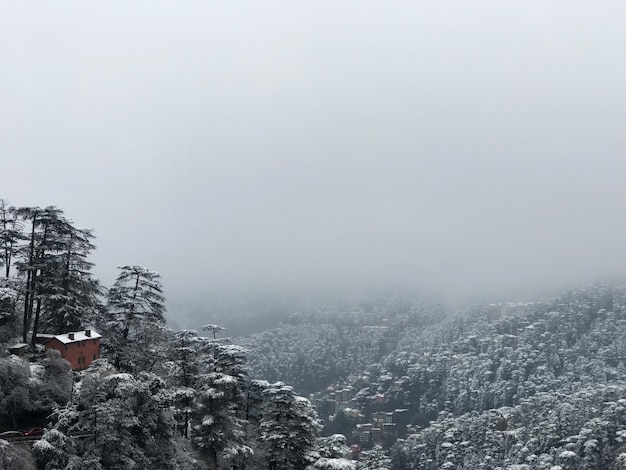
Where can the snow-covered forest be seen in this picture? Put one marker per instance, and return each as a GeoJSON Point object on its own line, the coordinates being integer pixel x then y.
{"type": "Point", "coordinates": [536, 385]}
{"type": "Point", "coordinates": [394, 382]}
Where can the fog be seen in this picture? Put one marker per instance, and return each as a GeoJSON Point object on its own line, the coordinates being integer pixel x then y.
{"type": "Point", "coordinates": [467, 149]}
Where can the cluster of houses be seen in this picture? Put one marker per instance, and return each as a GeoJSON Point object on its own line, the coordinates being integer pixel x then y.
{"type": "Point", "coordinates": [79, 348]}
{"type": "Point", "coordinates": [384, 425]}
{"type": "Point", "coordinates": [341, 397]}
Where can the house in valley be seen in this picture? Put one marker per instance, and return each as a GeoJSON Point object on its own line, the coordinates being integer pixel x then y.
{"type": "Point", "coordinates": [79, 348]}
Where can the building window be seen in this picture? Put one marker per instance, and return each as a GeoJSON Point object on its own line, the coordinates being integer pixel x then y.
{"type": "Point", "coordinates": [94, 357]}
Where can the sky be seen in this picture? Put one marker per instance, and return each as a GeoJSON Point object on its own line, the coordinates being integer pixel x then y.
{"type": "Point", "coordinates": [467, 148]}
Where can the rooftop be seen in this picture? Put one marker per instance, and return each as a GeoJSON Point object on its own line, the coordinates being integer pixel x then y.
{"type": "Point", "coordinates": [75, 336]}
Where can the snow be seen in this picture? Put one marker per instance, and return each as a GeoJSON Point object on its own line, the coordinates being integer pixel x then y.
{"type": "Point", "coordinates": [37, 371]}
{"type": "Point", "coordinates": [122, 376]}
{"type": "Point", "coordinates": [591, 445]}
{"type": "Point", "coordinates": [226, 379]}
{"type": "Point", "coordinates": [44, 446]}
{"type": "Point", "coordinates": [8, 293]}
{"type": "Point", "coordinates": [78, 336]}
{"type": "Point", "coordinates": [567, 454]}
{"type": "Point", "coordinates": [237, 450]}
{"type": "Point", "coordinates": [334, 464]}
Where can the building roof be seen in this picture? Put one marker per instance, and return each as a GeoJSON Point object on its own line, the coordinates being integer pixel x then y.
{"type": "Point", "coordinates": [18, 346]}
{"type": "Point", "coordinates": [78, 336]}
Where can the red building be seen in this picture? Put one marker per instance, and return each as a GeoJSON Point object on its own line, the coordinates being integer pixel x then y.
{"type": "Point", "coordinates": [79, 348]}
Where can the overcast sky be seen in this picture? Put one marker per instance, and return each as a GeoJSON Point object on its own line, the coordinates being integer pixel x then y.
{"type": "Point", "coordinates": [465, 147]}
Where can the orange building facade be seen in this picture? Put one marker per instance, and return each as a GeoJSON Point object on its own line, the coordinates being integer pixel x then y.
{"type": "Point", "coordinates": [79, 348]}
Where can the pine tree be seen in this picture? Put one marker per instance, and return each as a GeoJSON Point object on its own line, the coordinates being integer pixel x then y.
{"type": "Point", "coordinates": [74, 293]}
{"type": "Point", "coordinates": [15, 457]}
{"type": "Point", "coordinates": [10, 235]}
{"type": "Point", "coordinates": [27, 265]}
{"type": "Point", "coordinates": [289, 429]}
{"type": "Point", "coordinates": [116, 421]}
{"type": "Point", "coordinates": [182, 369]}
{"type": "Point", "coordinates": [134, 318]}
{"type": "Point", "coordinates": [218, 418]}
{"type": "Point", "coordinates": [14, 388]}
{"type": "Point", "coordinates": [59, 291]}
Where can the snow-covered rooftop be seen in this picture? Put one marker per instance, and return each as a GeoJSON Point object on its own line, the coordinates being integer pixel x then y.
{"type": "Point", "coordinates": [74, 336]}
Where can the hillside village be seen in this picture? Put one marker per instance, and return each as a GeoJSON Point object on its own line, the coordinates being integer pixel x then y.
{"type": "Point", "coordinates": [513, 386]}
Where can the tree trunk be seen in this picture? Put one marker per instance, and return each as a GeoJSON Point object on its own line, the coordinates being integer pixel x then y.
{"type": "Point", "coordinates": [26, 323]}
{"type": "Point", "coordinates": [30, 283]}
{"type": "Point", "coordinates": [36, 324]}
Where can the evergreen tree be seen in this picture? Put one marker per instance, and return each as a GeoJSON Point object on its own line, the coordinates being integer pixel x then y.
{"type": "Point", "coordinates": [218, 419]}
{"type": "Point", "coordinates": [10, 295]}
{"type": "Point", "coordinates": [15, 457]}
{"type": "Point", "coordinates": [375, 459]}
{"type": "Point", "coordinates": [57, 451]}
{"type": "Point", "coordinates": [60, 292]}
{"type": "Point", "coordinates": [27, 265]}
{"type": "Point", "coordinates": [184, 362]}
{"type": "Point", "coordinates": [289, 429]}
{"type": "Point", "coordinates": [134, 318]}
{"type": "Point", "coordinates": [116, 421]}
{"type": "Point", "coordinates": [14, 388]}
{"type": "Point", "coordinates": [74, 294]}
{"type": "Point", "coordinates": [55, 383]}
{"type": "Point", "coordinates": [10, 235]}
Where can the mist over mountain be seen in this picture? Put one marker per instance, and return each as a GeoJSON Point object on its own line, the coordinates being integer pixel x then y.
{"type": "Point", "coordinates": [322, 235]}
{"type": "Point", "coordinates": [467, 151]}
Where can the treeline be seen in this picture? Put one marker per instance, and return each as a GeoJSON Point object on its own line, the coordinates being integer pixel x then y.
{"type": "Point", "coordinates": [316, 348]}
{"type": "Point", "coordinates": [525, 387]}
{"type": "Point", "coordinates": [47, 285]}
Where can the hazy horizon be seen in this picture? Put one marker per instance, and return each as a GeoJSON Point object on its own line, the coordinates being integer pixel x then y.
{"type": "Point", "coordinates": [474, 150]}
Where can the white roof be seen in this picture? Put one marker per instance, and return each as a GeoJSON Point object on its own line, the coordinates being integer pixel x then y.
{"type": "Point", "coordinates": [78, 336]}
{"type": "Point", "coordinates": [18, 345]}
{"type": "Point", "coordinates": [44, 335]}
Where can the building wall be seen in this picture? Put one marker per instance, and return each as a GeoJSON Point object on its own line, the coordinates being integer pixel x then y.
{"type": "Point", "coordinates": [80, 354]}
